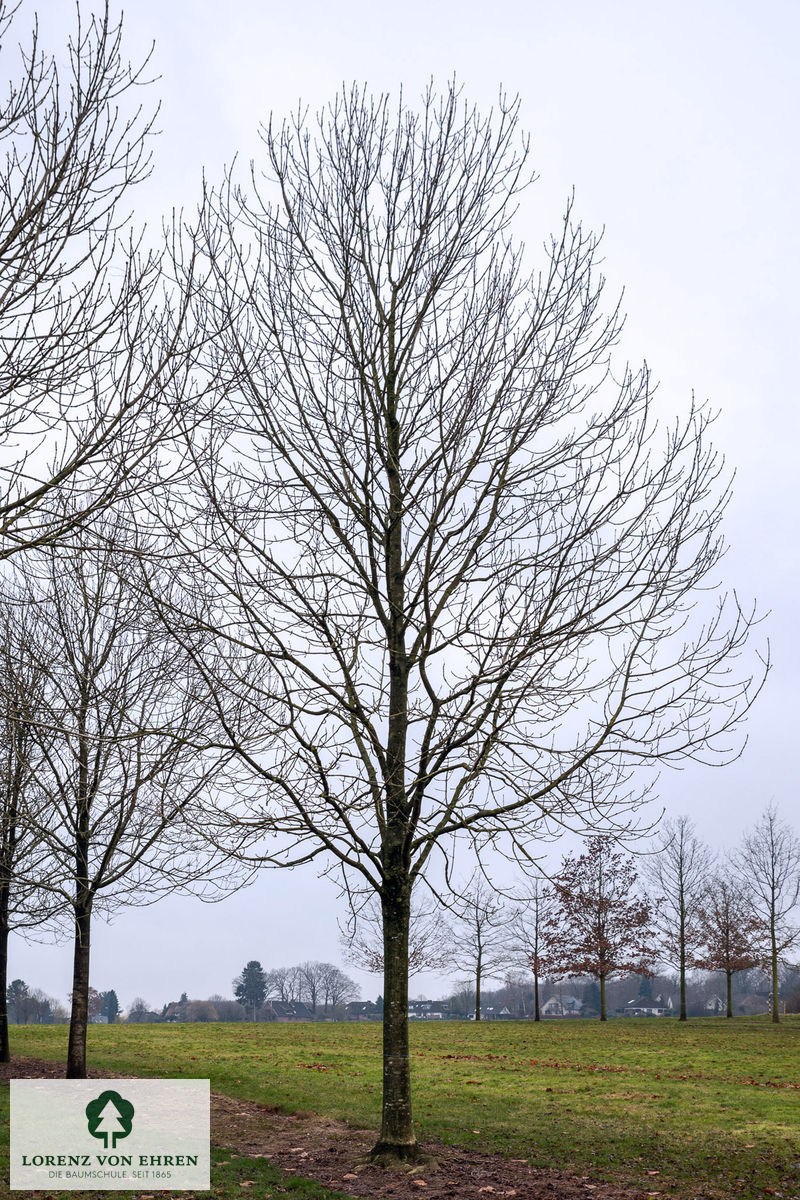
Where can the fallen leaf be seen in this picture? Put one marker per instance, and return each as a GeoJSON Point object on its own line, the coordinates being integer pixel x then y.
{"type": "Point", "coordinates": [350, 1175]}
{"type": "Point", "coordinates": [419, 1183]}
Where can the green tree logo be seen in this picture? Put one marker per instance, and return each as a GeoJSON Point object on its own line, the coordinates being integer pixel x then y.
{"type": "Point", "coordinates": [110, 1117]}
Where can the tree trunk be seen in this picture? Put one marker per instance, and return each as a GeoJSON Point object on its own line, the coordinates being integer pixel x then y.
{"type": "Point", "coordinates": [774, 948]}
{"type": "Point", "coordinates": [5, 1050]}
{"type": "Point", "coordinates": [602, 997]}
{"type": "Point", "coordinates": [729, 993]}
{"type": "Point", "coordinates": [682, 950]}
{"type": "Point", "coordinates": [537, 1016]}
{"type": "Point", "coordinates": [79, 1017]}
{"type": "Point", "coordinates": [478, 987]}
{"type": "Point", "coordinates": [396, 1138]}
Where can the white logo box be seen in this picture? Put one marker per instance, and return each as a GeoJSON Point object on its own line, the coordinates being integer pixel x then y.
{"type": "Point", "coordinates": [110, 1134]}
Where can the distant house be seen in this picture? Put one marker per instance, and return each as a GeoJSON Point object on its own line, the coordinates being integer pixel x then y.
{"type": "Point", "coordinates": [650, 1006]}
{"type": "Point", "coordinates": [175, 1011]}
{"type": "Point", "coordinates": [285, 1010]}
{"type": "Point", "coordinates": [143, 1016]}
{"type": "Point", "coordinates": [562, 1006]}
{"type": "Point", "coordinates": [428, 1010]}
{"type": "Point", "coordinates": [361, 1010]}
{"type": "Point", "coordinates": [715, 1004]}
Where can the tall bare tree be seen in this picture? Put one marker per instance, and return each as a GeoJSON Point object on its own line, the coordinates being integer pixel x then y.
{"type": "Point", "coordinates": [769, 865]}
{"type": "Point", "coordinates": [462, 572]}
{"type": "Point", "coordinates": [88, 333]}
{"type": "Point", "coordinates": [123, 744]}
{"type": "Point", "coordinates": [528, 933]}
{"type": "Point", "coordinates": [478, 936]}
{"type": "Point", "coordinates": [23, 854]}
{"type": "Point", "coordinates": [679, 872]}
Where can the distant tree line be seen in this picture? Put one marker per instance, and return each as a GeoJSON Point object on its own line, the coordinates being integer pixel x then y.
{"type": "Point", "coordinates": [321, 986]}
{"type": "Point", "coordinates": [607, 915]}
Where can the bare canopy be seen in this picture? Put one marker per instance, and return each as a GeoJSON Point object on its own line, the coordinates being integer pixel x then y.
{"type": "Point", "coordinates": [451, 560]}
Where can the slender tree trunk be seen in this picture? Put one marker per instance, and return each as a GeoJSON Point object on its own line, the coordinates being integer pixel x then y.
{"type": "Point", "coordinates": [16, 758]}
{"type": "Point", "coordinates": [682, 951]}
{"type": "Point", "coordinates": [774, 955]}
{"type": "Point", "coordinates": [82, 909]}
{"type": "Point", "coordinates": [5, 1049]}
{"type": "Point", "coordinates": [79, 1018]}
{"type": "Point", "coordinates": [396, 1138]}
{"type": "Point", "coordinates": [537, 1016]}
{"type": "Point", "coordinates": [729, 993]}
{"type": "Point", "coordinates": [478, 987]}
{"type": "Point", "coordinates": [602, 997]}
{"type": "Point", "coordinates": [397, 1127]}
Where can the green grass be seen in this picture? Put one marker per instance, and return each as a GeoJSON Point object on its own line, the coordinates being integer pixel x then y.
{"type": "Point", "coordinates": [709, 1105]}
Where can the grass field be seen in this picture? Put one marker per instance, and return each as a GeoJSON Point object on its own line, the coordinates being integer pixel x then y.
{"type": "Point", "coordinates": [709, 1105]}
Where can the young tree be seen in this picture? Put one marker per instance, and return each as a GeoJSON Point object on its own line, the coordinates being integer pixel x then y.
{"type": "Point", "coordinates": [528, 930]}
{"type": "Point", "coordinates": [455, 560]}
{"type": "Point", "coordinates": [602, 926]}
{"type": "Point", "coordinates": [730, 932]}
{"type": "Point", "coordinates": [23, 854]}
{"type": "Point", "coordinates": [130, 757]}
{"type": "Point", "coordinates": [250, 988]}
{"type": "Point", "coordinates": [478, 937]}
{"type": "Point", "coordinates": [679, 872]}
{"type": "Point", "coordinates": [769, 864]}
{"type": "Point", "coordinates": [89, 349]}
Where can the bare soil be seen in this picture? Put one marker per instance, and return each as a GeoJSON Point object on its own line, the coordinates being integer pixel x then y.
{"type": "Point", "coordinates": [333, 1154]}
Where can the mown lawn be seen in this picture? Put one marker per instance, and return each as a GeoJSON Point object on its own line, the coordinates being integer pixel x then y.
{"type": "Point", "coordinates": [709, 1106]}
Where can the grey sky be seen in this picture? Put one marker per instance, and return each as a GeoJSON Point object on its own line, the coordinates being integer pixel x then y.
{"type": "Point", "coordinates": [677, 127]}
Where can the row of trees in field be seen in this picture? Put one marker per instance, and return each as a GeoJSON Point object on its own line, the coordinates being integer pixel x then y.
{"type": "Point", "coordinates": [606, 914]}
{"type": "Point", "coordinates": [321, 986]}
{"type": "Point", "coordinates": [332, 531]}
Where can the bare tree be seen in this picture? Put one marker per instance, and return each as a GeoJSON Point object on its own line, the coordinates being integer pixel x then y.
{"type": "Point", "coordinates": [339, 988]}
{"type": "Point", "coordinates": [468, 572]}
{"type": "Point", "coordinates": [679, 872]}
{"type": "Point", "coordinates": [123, 747]}
{"type": "Point", "coordinates": [477, 937]}
{"type": "Point", "coordinates": [602, 925]}
{"type": "Point", "coordinates": [89, 349]}
{"type": "Point", "coordinates": [283, 983]}
{"type": "Point", "coordinates": [312, 975]}
{"type": "Point", "coordinates": [769, 864]}
{"type": "Point", "coordinates": [730, 932]}
{"type": "Point", "coordinates": [528, 931]}
{"type": "Point", "coordinates": [23, 855]}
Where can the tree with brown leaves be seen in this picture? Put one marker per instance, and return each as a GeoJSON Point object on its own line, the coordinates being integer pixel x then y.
{"type": "Point", "coordinates": [602, 927]}
{"type": "Point", "coordinates": [730, 931]}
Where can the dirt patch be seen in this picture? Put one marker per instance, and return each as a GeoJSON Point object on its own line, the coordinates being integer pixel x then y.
{"type": "Point", "coordinates": [332, 1153]}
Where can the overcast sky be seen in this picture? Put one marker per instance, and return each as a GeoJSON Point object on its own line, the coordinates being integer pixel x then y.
{"type": "Point", "coordinates": [677, 127]}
